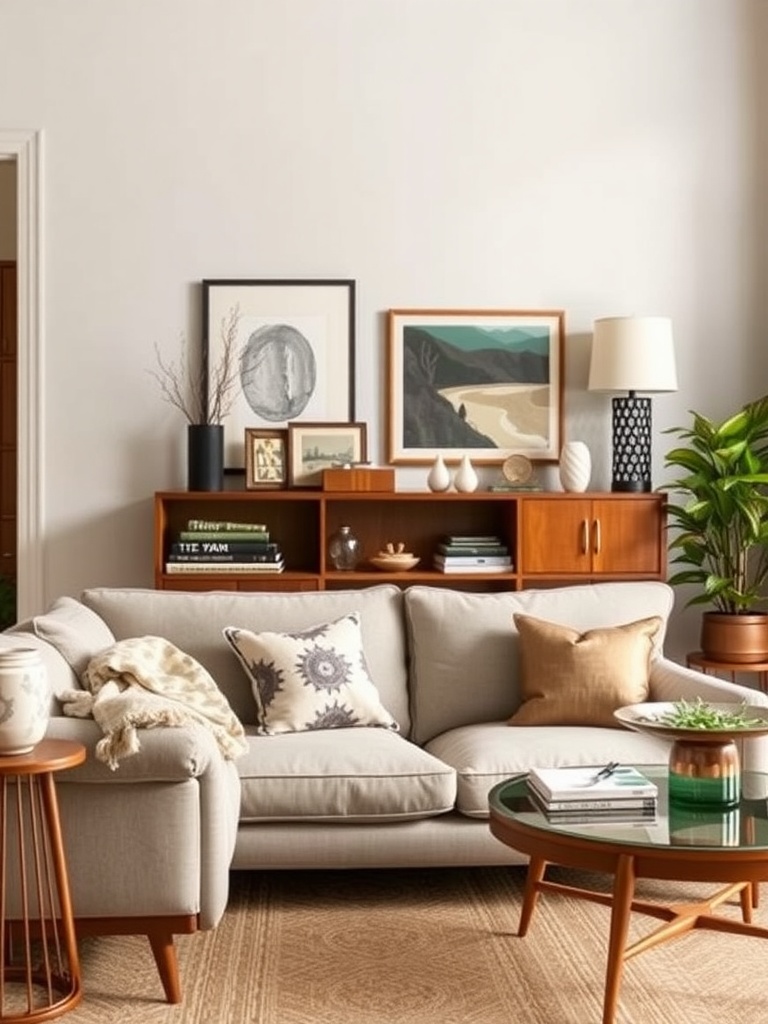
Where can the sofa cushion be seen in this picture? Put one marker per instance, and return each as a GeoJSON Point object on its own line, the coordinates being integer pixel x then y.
{"type": "Point", "coordinates": [194, 622]}
{"type": "Point", "coordinates": [75, 631]}
{"type": "Point", "coordinates": [372, 775]}
{"type": "Point", "coordinates": [494, 751]}
{"type": "Point", "coordinates": [573, 678]}
{"type": "Point", "coordinates": [314, 678]}
{"type": "Point", "coordinates": [464, 646]}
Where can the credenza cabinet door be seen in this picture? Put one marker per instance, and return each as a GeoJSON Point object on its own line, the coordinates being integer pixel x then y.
{"type": "Point", "coordinates": [600, 537]}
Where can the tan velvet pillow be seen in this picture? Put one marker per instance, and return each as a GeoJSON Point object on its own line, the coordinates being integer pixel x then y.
{"type": "Point", "coordinates": [572, 678]}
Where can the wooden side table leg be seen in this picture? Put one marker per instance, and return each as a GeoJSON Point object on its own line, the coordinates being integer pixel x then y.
{"type": "Point", "coordinates": [623, 894]}
{"type": "Point", "coordinates": [56, 844]}
{"type": "Point", "coordinates": [536, 868]}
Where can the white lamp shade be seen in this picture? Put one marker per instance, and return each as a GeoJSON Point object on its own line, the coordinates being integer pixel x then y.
{"type": "Point", "coordinates": [633, 353]}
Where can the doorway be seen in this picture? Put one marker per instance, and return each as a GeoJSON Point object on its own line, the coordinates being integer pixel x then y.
{"type": "Point", "coordinates": [24, 148]}
{"type": "Point", "coordinates": [8, 431]}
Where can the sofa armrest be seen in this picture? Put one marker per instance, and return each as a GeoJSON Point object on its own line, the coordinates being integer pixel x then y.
{"type": "Point", "coordinates": [177, 797]}
{"type": "Point", "coordinates": [671, 682]}
{"type": "Point", "coordinates": [165, 754]}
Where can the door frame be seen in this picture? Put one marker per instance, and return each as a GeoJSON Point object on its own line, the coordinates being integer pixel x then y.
{"type": "Point", "coordinates": [26, 148]}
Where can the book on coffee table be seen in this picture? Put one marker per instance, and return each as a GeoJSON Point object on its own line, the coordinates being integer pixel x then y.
{"type": "Point", "coordinates": [578, 811]}
{"type": "Point", "coordinates": [588, 786]}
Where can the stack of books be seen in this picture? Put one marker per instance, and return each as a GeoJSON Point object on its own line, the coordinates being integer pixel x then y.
{"type": "Point", "coordinates": [582, 795]}
{"type": "Point", "coordinates": [219, 546]}
{"type": "Point", "coordinates": [464, 553]}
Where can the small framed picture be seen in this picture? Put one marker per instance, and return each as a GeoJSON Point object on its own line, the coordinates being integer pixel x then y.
{"type": "Point", "coordinates": [266, 458]}
{"type": "Point", "coordinates": [313, 447]}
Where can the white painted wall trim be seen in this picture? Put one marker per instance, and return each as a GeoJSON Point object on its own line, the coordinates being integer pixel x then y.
{"type": "Point", "coordinates": [26, 147]}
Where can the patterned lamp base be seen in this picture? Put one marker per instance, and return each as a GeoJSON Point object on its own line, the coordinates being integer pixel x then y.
{"type": "Point", "coordinates": [631, 444]}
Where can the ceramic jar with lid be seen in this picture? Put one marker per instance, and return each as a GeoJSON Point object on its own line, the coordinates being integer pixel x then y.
{"type": "Point", "coordinates": [24, 699]}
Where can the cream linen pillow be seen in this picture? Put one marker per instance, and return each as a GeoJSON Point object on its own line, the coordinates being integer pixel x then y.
{"type": "Point", "coordinates": [75, 631]}
{"type": "Point", "coordinates": [572, 678]}
{"type": "Point", "coordinates": [313, 679]}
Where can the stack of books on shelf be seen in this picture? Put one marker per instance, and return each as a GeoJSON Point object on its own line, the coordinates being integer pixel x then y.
{"type": "Point", "coordinates": [218, 546]}
{"type": "Point", "coordinates": [463, 553]}
{"type": "Point", "coordinates": [615, 793]}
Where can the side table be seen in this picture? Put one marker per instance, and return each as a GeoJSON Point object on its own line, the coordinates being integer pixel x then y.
{"type": "Point", "coordinates": [39, 963]}
{"type": "Point", "coordinates": [696, 659]}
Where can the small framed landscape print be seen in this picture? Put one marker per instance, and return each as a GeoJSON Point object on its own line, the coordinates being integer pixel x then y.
{"type": "Point", "coordinates": [289, 351]}
{"type": "Point", "coordinates": [483, 383]}
{"type": "Point", "coordinates": [313, 447]}
{"type": "Point", "coordinates": [266, 459]}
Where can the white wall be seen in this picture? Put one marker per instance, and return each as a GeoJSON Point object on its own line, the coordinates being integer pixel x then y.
{"type": "Point", "coordinates": [600, 156]}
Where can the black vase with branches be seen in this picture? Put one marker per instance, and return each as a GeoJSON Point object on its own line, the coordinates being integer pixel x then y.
{"type": "Point", "coordinates": [205, 396]}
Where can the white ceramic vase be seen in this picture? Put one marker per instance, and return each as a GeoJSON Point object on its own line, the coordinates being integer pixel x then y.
{"type": "Point", "coordinates": [24, 699]}
{"type": "Point", "coordinates": [439, 477]}
{"type": "Point", "coordinates": [466, 478]}
{"type": "Point", "coordinates": [575, 466]}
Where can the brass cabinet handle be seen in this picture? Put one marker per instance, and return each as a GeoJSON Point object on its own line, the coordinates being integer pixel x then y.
{"type": "Point", "coordinates": [598, 537]}
{"type": "Point", "coordinates": [584, 536]}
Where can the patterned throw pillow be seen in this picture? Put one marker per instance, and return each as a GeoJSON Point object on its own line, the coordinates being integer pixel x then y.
{"type": "Point", "coordinates": [573, 678]}
{"type": "Point", "coordinates": [313, 679]}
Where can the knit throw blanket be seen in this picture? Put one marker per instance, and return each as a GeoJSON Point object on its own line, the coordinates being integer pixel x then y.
{"type": "Point", "coordinates": [146, 682]}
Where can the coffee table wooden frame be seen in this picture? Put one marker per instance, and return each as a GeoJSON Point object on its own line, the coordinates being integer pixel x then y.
{"type": "Point", "coordinates": [741, 868]}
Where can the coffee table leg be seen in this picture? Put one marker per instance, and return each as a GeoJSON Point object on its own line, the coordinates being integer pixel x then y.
{"type": "Point", "coordinates": [623, 894]}
{"type": "Point", "coordinates": [536, 868]}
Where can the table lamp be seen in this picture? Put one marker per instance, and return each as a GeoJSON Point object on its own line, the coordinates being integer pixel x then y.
{"type": "Point", "coordinates": [632, 353]}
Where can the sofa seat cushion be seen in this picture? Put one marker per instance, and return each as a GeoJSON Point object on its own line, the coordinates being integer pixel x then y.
{"type": "Point", "coordinates": [491, 752]}
{"type": "Point", "coordinates": [346, 775]}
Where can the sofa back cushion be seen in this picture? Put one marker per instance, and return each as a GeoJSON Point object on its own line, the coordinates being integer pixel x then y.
{"type": "Point", "coordinates": [464, 647]}
{"type": "Point", "coordinates": [195, 623]}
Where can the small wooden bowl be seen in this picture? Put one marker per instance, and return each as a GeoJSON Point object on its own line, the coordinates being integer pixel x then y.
{"type": "Point", "coordinates": [395, 562]}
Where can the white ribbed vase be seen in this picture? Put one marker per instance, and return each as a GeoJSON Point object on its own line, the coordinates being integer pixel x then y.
{"type": "Point", "coordinates": [575, 466]}
{"type": "Point", "coordinates": [24, 699]}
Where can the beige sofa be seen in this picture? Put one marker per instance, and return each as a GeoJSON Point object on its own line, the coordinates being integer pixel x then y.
{"type": "Point", "coordinates": [151, 844]}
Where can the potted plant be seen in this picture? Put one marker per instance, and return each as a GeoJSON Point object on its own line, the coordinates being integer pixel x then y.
{"type": "Point", "coordinates": [721, 543]}
{"type": "Point", "coordinates": [204, 394]}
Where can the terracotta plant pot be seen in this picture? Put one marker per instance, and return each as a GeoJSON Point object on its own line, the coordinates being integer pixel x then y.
{"type": "Point", "coordinates": [735, 638]}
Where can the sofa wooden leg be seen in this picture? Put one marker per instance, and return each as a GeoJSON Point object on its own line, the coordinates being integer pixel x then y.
{"type": "Point", "coordinates": [160, 932]}
{"type": "Point", "coordinates": [167, 963]}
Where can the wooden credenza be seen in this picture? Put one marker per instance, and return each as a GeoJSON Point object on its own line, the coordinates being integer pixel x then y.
{"type": "Point", "coordinates": [554, 539]}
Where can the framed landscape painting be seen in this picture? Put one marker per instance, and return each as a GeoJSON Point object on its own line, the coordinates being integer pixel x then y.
{"type": "Point", "coordinates": [483, 383]}
{"type": "Point", "coordinates": [291, 345]}
{"type": "Point", "coordinates": [313, 447]}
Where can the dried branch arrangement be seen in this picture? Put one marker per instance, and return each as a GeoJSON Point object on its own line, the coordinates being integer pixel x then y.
{"type": "Point", "coordinates": [203, 397]}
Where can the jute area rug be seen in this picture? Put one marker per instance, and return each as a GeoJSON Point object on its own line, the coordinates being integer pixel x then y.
{"type": "Point", "coordinates": [422, 947]}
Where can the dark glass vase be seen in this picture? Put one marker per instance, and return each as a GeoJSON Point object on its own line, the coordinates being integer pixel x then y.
{"type": "Point", "coordinates": [205, 457]}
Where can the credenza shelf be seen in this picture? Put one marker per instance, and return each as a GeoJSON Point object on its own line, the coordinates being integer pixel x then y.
{"type": "Point", "coordinates": [554, 538]}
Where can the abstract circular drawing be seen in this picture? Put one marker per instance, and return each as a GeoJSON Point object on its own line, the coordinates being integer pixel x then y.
{"type": "Point", "coordinates": [278, 372]}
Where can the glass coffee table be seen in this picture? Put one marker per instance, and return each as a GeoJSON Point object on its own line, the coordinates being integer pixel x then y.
{"type": "Point", "coordinates": [684, 844]}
